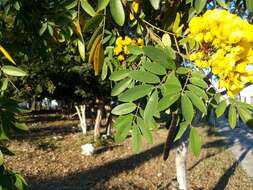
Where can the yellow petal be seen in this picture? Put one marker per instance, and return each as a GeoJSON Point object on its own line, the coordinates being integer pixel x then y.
{"type": "Point", "coordinates": [7, 55]}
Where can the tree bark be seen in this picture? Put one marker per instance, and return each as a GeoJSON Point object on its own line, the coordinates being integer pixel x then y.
{"type": "Point", "coordinates": [108, 122]}
{"type": "Point", "coordinates": [82, 118]}
{"type": "Point", "coordinates": [98, 124]}
{"type": "Point", "coordinates": [181, 157]}
{"type": "Point", "coordinates": [172, 132]}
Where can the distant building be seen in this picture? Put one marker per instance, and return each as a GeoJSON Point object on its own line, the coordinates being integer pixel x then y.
{"type": "Point", "coordinates": [246, 95]}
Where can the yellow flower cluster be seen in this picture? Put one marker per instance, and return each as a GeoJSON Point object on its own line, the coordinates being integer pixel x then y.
{"type": "Point", "coordinates": [135, 8]}
{"type": "Point", "coordinates": [225, 46]}
{"type": "Point", "coordinates": [121, 46]}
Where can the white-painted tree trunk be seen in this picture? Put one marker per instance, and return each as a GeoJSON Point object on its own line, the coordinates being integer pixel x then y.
{"type": "Point", "coordinates": [181, 157]}
{"type": "Point", "coordinates": [97, 124]}
{"type": "Point", "coordinates": [81, 114]}
{"type": "Point", "coordinates": [108, 120]}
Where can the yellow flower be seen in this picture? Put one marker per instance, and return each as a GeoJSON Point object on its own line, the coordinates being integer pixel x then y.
{"type": "Point", "coordinates": [118, 49]}
{"type": "Point", "coordinates": [121, 58]}
{"type": "Point", "coordinates": [140, 41]}
{"type": "Point", "coordinates": [121, 46]}
{"type": "Point", "coordinates": [118, 41]}
{"type": "Point", "coordinates": [125, 50]}
{"type": "Point", "coordinates": [127, 41]}
{"type": "Point", "coordinates": [135, 7]}
{"type": "Point", "coordinates": [226, 43]}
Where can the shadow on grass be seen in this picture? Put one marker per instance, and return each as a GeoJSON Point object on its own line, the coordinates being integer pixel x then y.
{"type": "Point", "coordinates": [93, 179]}
{"type": "Point", "coordinates": [224, 179]}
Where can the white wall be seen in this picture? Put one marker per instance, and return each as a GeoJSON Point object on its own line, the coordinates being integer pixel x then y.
{"type": "Point", "coordinates": [246, 95]}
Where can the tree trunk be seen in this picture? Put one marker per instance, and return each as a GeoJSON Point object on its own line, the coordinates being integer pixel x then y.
{"type": "Point", "coordinates": [181, 157]}
{"type": "Point", "coordinates": [98, 124]}
{"type": "Point", "coordinates": [82, 118]}
{"type": "Point", "coordinates": [33, 106]}
{"type": "Point", "coordinates": [108, 122]}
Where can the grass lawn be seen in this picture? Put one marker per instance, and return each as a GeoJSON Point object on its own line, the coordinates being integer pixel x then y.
{"type": "Point", "coordinates": [49, 156]}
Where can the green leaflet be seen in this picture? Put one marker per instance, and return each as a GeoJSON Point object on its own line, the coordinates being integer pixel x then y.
{"type": "Point", "coordinates": [220, 109]}
{"type": "Point", "coordinates": [155, 4]}
{"type": "Point", "coordinates": [104, 70]}
{"type": "Point", "coordinates": [21, 126]}
{"type": "Point", "coordinates": [13, 71]}
{"type": "Point", "coordinates": [135, 50]}
{"type": "Point", "coordinates": [144, 76]}
{"type": "Point", "coordinates": [154, 67]}
{"type": "Point", "coordinates": [135, 93]}
{"type": "Point", "coordinates": [222, 3]}
{"type": "Point", "coordinates": [182, 70]}
{"type": "Point", "coordinates": [246, 116]}
{"type": "Point", "coordinates": [249, 4]}
{"type": "Point", "coordinates": [167, 101]}
{"type": "Point", "coordinates": [4, 83]}
{"type": "Point", "coordinates": [198, 82]}
{"type": "Point", "coordinates": [121, 86]}
{"type": "Point", "coordinates": [117, 11]}
{"type": "Point", "coordinates": [1, 158]}
{"type": "Point", "coordinates": [123, 109]}
{"type": "Point", "coordinates": [198, 75]}
{"type": "Point", "coordinates": [172, 83]}
{"type": "Point", "coordinates": [244, 105]}
{"type": "Point", "coordinates": [182, 128]}
{"type": "Point", "coordinates": [199, 5]}
{"type": "Point", "coordinates": [232, 116]}
{"type": "Point", "coordinates": [145, 130]}
{"type": "Point", "coordinates": [93, 23]}
{"type": "Point", "coordinates": [151, 107]}
{"type": "Point", "coordinates": [43, 28]}
{"type": "Point", "coordinates": [136, 139]}
{"type": "Point", "coordinates": [197, 102]}
{"type": "Point", "coordinates": [123, 126]}
{"type": "Point", "coordinates": [119, 75]}
{"type": "Point", "coordinates": [87, 7]}
{"type": "Point", "coordinates": [81, 47]}
{"type": "Point", "coordinates": [195, 142]}
{"type": "Point", "coordinates": [187, 108]}
{"type": "Point", "coordinates": [102, 4]}
{"type": "Point", "coordinates": [198, 91]}
{"type": "Point", "coordinates": [159, 56]}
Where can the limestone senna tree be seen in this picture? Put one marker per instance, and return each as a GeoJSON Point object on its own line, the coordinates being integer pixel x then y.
{"type": "Point", "coordinates": [162, 57]}
{"type": "Point", "coordinates": [155, 53]}
{"type": "Point", "coordinates": [173, 73]}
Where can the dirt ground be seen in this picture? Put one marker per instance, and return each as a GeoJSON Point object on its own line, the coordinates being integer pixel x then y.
{"type": "Point", "coordinates": [49, 156]}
